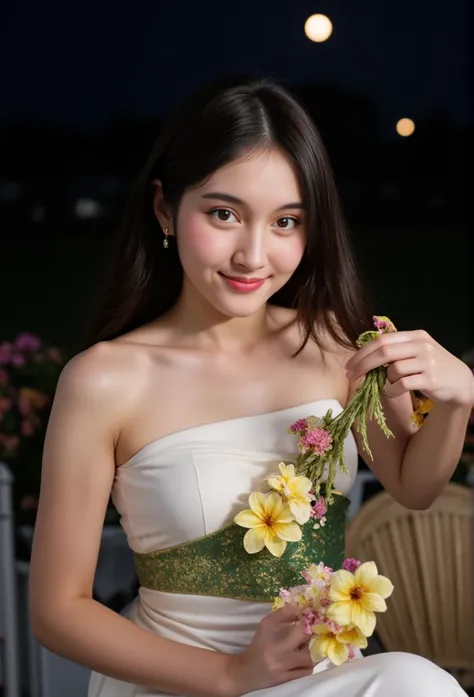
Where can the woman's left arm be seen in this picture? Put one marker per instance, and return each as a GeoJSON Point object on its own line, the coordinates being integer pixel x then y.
{"type": "Point", "coordinates": [416, 465]}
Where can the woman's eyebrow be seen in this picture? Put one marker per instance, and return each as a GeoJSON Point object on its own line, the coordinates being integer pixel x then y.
{"type": "Point", "coordinates": [228, 198]}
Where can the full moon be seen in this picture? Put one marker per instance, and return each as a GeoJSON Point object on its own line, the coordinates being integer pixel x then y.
{"type": "Point", "coordinates": [318, 28]}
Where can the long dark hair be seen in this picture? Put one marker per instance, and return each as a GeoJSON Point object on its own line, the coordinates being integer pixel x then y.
{"type": "Point", "coordinates": [214, 127]}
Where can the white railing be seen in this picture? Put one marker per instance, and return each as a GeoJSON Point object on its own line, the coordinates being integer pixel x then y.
{"type": "Point", "coordinates": [8, 599]}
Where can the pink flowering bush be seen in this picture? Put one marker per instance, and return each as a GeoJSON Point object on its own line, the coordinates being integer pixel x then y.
{"type": "Point", "coordinates": [29, 371]}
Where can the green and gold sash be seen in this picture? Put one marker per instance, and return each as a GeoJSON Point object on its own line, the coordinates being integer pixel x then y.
{"type": "Point", "coordinates": [218, 565]}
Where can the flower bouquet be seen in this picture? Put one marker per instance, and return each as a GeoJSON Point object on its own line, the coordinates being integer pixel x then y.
{"type": "Point", "coordinates": [295, 495]}
{"type": "Point", "coordinates": [29, 371]}
{"type": "Point", "coordinates": [337, 608]}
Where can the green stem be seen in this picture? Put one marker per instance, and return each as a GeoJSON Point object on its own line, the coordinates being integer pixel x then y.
{"type": "Point", "coordinates": [365, 404]}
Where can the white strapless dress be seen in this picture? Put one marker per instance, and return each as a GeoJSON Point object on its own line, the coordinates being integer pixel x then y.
{"type": "Point", "coordinates": [213, 468]}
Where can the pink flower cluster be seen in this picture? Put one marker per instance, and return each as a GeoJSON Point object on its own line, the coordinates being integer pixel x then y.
{"type": "Point", "coordinates": [351, 564]}
{"type": "Point", "coordinates": [27, 347]}
{"type": "Point", "coordinates": [299, 427]}
{"type": "Point", "coordinates": [316, 439]}
{"type": "Point", "coordinates": [313, 438]}
{"type": "Point", "coordinates": [383, 325]}
{"type": "Point", "coordinates": [312, 605]}
{"type": "Point", "coordinates": [28, 376]}
{"type": "Point", "coordinates": [319, 508]}
{"type": "Point", "coordinates": [312, 598]}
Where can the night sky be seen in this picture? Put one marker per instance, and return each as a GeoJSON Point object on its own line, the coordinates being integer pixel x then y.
{"type": "Point", "coordinates": [80, 63]}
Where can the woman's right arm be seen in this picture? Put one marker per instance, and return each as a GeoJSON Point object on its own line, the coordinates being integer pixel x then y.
{"type": "Point", "coordinates": [77, 476]}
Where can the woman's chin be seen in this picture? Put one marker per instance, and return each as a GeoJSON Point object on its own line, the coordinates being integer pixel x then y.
{"type": "Point", "coordinates": [239, 308]}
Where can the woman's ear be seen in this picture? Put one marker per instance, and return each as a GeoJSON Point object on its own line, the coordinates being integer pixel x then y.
{"type": "Point", "coordinates": [162, 211]}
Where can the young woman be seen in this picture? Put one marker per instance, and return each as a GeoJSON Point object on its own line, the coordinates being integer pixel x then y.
{"type": "Point", "coordinates": [232, 311]}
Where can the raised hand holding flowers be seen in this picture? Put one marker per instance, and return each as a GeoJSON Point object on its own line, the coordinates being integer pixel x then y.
{"type": "Point", "coordinates": [414, 361]}
{"type": "Point", "coordinates": [321, 441]}
{"type": "Point", "coordinates": [321, 453]}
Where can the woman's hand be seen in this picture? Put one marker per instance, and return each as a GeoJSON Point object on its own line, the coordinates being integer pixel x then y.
{"type": "Point", "coordinates": [416, 362]}
{"type": "Point", "coordinates": [279, 652]}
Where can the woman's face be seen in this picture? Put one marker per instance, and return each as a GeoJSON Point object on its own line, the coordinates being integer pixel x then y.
{"type": "Point", "coordinates": [241, 234]}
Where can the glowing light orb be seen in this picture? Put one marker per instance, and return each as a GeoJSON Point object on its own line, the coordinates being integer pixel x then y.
{"type": "Point", "coordinates": [318, 28]}
{"type": "Point", "coordinates": [405, 127]}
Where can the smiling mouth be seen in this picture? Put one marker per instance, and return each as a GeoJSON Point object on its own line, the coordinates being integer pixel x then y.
{"type": "Point", "coordinates": [243, 279]}
{"type": "Point", "coordinates": [243, 284]}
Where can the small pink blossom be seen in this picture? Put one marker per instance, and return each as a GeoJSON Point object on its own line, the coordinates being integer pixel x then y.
{"type": "Point", "coordinates": [351, 564]}
{"type": "Point", "coordinates": [309, 618]}
{"type": "Point", "coordinates": [325, 602]}
{"type": "Point", "coordinates": [5, 404]}
{"type": "Point", "coordinates": [285, 595]}
{"type": "Point", "coordinates": [317, 574]}
{"type": "Point", "coordinates": [27, 428]}
{"type": "Point", "coordinates": [24, 405]}
{"type": "Point", "coordinates": [27, 342]}
{"type": "Point", "coordinates": [299, 426]}
{"type": "Point", "coordinates": [319, 508]}
{"type": "Point", "coordinates": [5, 353]}
{"type": "Point", "coordinates": [383, 325]}
{"type": "Point", "coordinates": [316, 439]}
{"type": "Point", "coordinates": [332, 626]}
{"type": "Point", "coordinates": [17, 360]}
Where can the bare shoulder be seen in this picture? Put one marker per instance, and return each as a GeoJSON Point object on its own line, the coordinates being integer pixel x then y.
{"type": "Point", "coordinates": [340, 353]}
{"type": "Point", "coordinates": [107, 375]}
{"type": "Point", "coordinates": [327, 347]}
{"type": "Point", "coordinates": [322, 361]}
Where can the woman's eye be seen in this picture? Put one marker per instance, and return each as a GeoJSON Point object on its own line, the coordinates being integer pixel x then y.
{"type": "Point", "coordinates": [224, 215]}
{"type": "Point", "coordinates": [287, 223]}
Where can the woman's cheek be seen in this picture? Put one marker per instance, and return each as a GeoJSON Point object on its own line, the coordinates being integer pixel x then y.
{"type": "Point", "coordinates": [199, 240]}
{"type": "Point", "coordinates": [291, 256]}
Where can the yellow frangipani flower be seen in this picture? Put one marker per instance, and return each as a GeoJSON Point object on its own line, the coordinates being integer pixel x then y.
{"type": "Point", "coordinates": [277, 604]}
{"type": "Point", "coordinates": [423, 405]}
{"type": "Point", "coordinates": [335, 646]}
{"type": "Point", "coordinates": [357, 597]}
{"type": "Point", "coordinates": [271, 524]}
{"type": "Point", "coordinates": [418, 419]}
{"type": "Point", "coordinates": [296, 490]}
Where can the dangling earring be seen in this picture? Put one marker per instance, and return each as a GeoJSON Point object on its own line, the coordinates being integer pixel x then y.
{"type": "Point", "coordinates": [165, 241]}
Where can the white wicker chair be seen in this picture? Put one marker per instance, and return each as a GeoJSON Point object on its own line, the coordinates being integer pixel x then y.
{"type": "Point", "coordinates": [428, 556]}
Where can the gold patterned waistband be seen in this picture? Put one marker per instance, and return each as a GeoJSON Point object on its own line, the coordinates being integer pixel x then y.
{"type": "Point", "coordinates": [217, 564]}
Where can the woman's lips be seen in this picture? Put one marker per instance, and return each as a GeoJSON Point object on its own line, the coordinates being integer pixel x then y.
{"type": "Point", "coordinates": [243, 284]}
